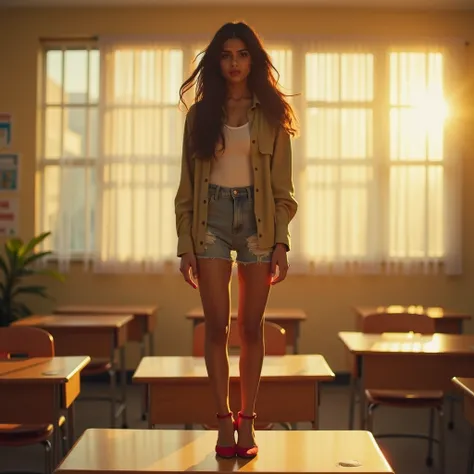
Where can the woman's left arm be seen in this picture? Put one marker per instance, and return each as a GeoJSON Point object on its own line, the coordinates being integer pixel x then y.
{"type": "Point", "coordinates": [283, 187]}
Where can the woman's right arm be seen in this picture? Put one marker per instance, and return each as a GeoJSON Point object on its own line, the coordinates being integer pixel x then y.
{"type": "Point", "coordinates": [184, 197]}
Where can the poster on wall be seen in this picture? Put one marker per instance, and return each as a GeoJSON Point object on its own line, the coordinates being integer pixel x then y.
{"type": "Point", "coordinates": [9, 170]}
{"type": "Point", "coordinates": [8, 217]}
{"type": "Point", "coordinates": [5, 130]}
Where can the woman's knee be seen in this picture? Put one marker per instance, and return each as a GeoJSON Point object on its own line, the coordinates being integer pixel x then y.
{"type": "Point", "coordinates": [251, 330]}
{"type": "Point", "coordinates": [217, 332]}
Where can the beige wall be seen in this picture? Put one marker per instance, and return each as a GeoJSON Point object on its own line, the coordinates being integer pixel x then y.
{"type": "Point", "coordinates": [326, 299]}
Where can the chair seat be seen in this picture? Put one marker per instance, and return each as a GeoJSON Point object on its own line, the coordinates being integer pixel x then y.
{"type": "Point", "coordinates": [404, 398]}
{"type": "Point", "coordinates": [97, 367]}
{"type": "Point", "coordinates": [23, 435]}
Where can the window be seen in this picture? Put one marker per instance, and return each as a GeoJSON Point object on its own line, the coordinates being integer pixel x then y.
{"type": "Point", "coordinates": [375, 177]}
{"type": "Point", "coordinates": [69, 149]}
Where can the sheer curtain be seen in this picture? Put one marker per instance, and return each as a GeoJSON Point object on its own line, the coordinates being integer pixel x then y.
{"type": "Point", "coordinates": [378, 183]}
{"type": "Point", "coordinates": [140, 156]}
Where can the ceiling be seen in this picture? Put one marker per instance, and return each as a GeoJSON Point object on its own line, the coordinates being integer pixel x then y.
{"type": "Point", "coordinates": [398, 4]}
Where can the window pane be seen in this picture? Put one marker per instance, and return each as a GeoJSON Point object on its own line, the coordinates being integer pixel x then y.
{"type": "Point", "coordinates": [52, 138]}
{"type": "Point", "coordinates": [147, 76]}
{"type": "Point", "coordinates": [94, 76]}
{"type": "Point", "coordinates": [54, 78]}
{"type": "Point", "coordinates": [339, 77]}
{"type": "Point", "coordinates": [69, 205]}
{"type": "Point", "coordinates": [339, 133]}
{"type": "Point", "coordinates": [336, 207]}
{"type": "Point", "coordinates": [282, 59]}
{"type": "Point", "coordinates": [416, 211]}
{"type": "Point", "coordinates": [75, 76]}
{"type": "Point", "coordinates": [75, 129]}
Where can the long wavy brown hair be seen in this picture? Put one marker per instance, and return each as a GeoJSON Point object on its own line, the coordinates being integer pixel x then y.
{"type": "Point", "coordinates": [211, 93]}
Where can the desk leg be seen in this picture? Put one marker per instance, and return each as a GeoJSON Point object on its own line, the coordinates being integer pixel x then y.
{"type": "Point", "coordinates": [70, 426]}
{"type": "Point", "coordinates": [296, 332]}
{"type": "Point", "coordinates": [142, 355]}
{"type": "Point", "coordinates": [362, 399]}
{"type": "Point", "coordinates": [56, 441]}
{"type": "Point", "coordinates": [470, 459]}
{"type": "Point", "coordinates": [352, 400]}
{"type": "Point", "coordinates": [113, 386]}
{"type": "Point", "coordinates": [123, 385]}
{"type": "Point", "coordinates": [315, 423]}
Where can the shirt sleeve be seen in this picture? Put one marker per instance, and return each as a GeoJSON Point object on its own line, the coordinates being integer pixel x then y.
{"type": "Point", "coordinates": [283, 187]}
{"type": "Point", "coordinates": [184, 197]}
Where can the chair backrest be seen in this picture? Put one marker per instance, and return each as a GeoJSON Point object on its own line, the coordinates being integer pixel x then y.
{"type": "Point", "coordinates": [274, 335]}
{"type": "Point", "coordinates": [25, 341]}
{"type": "Point", "coordinates": [378, 323]}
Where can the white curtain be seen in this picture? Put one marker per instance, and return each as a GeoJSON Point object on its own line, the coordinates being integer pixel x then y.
{"type": "Point", "coordinates": [378, 185]}
{"type": "Point", "coordinates": [140, 156]}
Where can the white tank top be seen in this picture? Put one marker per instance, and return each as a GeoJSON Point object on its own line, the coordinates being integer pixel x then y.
{"type": "Point", "coordinates": [232, 168]}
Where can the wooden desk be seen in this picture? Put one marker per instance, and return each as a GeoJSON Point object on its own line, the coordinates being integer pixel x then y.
{"type": "Point", "coordinates": [139, 330]}
{"type": "Point", "coordinates": [446, 320]}
{"type": "Point", "coordinates": [409, 361]}
{"type": "Point", "coordinates": [466, 385]}
{"type": "Point", "coordinates": [288, 318]}
{"type": "Point", "coordinates": [34, 391]}
{"type": "Point", "coordinates": [167, 451]}
{"type": "Point", "coordinates": [289, 389]}
{"type": "Point", "coordinates": [97, 336]}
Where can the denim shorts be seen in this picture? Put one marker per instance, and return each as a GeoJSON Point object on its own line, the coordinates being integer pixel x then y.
{"type": "Point", "coordinates": [232, 227]}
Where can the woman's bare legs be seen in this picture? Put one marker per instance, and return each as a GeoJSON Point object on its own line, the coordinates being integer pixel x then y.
{"type": "Point", "coordinates": [214, 288]}
{"type": "Point", "coordinates": [254, 287]}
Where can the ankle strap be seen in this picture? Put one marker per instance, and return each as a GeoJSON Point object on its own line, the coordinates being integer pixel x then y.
{"type": "Point", "coordinates": [224, 416]}
{"type": "Point", "coordinates": [247, 417]}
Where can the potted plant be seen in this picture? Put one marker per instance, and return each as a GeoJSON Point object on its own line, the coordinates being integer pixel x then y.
{"type": "Point", "coordinates": [17, 265]}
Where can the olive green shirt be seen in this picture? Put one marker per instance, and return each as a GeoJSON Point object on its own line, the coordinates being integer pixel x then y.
{"type": "Point", "coordinates": [275, 204]}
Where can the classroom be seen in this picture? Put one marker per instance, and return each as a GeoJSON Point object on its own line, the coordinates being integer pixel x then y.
{"type": "Point", "coordinates": [369, 340]}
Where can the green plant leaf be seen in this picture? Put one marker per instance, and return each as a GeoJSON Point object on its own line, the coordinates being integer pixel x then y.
{"type": "Point", "coordinates": [53, 274]}
{"type": "Point", "coordinates": [36, 256]}
{"type": "Point", "coordinates": [30, 246]}
{"type": "Point", "coordinates": [4, 267]}
{"type": "Point", "coordinates": [32, 290]}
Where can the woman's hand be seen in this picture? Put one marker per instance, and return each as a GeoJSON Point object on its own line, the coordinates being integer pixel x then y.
{"type": "Point", "coordinates": [188, 268]}
{"type": "Point", "coordinates": [280, 260]}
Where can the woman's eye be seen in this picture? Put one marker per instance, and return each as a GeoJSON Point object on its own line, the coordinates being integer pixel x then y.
{"type": "Point", "coordinates": [244, 54]}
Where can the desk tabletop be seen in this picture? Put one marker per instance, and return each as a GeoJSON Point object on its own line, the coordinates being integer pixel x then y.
{"type": "Point", "coordinates": [108, 451]}
{"type": "Point", "coordinates": [59, 321]}
{"type": "Point", "coordinates": [390, 343]}
{"type": "Point", "coordinates": [55, 370]}
{"type": "Point", "coordinates": [465, 384]}
{"type": "Point", "coordinates": [270, 313]}
{"type": "Point", "coordinates": [185, 368]}
{"type": "Point", "coordinates": [435, 312]}
{"type": "Point", "coordinates": [135, 310]}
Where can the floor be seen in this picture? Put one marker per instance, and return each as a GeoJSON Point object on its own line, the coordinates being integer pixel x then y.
{"type": "Point", "coordinates": [405, 456]}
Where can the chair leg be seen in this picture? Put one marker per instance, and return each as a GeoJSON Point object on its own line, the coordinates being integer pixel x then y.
{"type": "Point", "coordinates": [48, 461]}
{"type": "Point", "coordinates": [470, 458]}
{"type": "Point", "coordinates": [452, 402]}
{"type": "Point", "coordinates": [369, 419]}
{"type": "Point", "coordinates": [429, 457]}
{"type": "Point", "coordinates": [441, 444]}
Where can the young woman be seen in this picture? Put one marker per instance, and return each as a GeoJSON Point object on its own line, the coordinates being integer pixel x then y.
{"type": "Point", "coordinates": [235, 194]}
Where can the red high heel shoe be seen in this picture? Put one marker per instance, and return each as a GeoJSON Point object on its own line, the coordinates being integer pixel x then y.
{"type": "Point", "coordinates": [226, 451]}
{"type": "Point", "coordinates": [241, 451]}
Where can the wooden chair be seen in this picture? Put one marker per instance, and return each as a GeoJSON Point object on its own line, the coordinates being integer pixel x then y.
{"type": "Point", "coordinates": [24, 341]}
{"type": "Point", "coordinates": [433, 399]}
{"type": "Point", "coordinates": [275, 344]}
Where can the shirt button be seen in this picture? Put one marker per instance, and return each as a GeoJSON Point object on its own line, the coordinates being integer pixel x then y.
{"type": "Point", "coordinates": [256, 169]}
{"type": "Point", "coordinates": [253, 141]}
{"type": "Point", "coordinates": [256, 190]}
{"type": "Point", "coordinates": [202, 243]}
{"type": "Point", "coordinates": [259, 220]}
{"type": "Point", "coordinates": [206, 180]}
{"type": "Point", "coordinates": [203, 222]}
{"type": "Point", "coordinates": [205, 202]}
{"type": "Point", "coordinates": [260, 235]}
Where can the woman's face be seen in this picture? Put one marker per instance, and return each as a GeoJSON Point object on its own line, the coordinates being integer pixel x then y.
{"type": "Point", "coordinates": [235, 61]}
